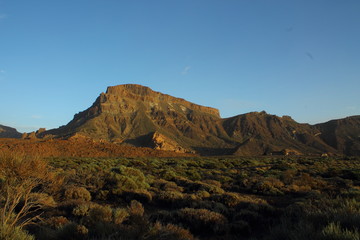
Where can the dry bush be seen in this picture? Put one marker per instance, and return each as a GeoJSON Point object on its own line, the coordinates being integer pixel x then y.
{"type": "Point", "coordinates": [101, 213]}
{"type": "Point", "coordinates": [120, 215]}
{"type": "Point", "coordinates": [82, 210]}
{"type": "Point", "coordinates": [44, 199]}
{"type": "Point", "coordinates": [168, 232]}
{"type": "Point", "coordinates": [167, 185]}
{"type": "Point", "coordinates": [77, 193]}
{"type": "Point", "coordinates": [56, 222]}
{"type": "Point", "coordinates": [136, 208]}
{"type": "Point", "coordinates": [19, 176]}
{"type": "Point", "coordinates": [269, 185]}
{"type": "Point", "coordinates": [170, 198]}
{"type": "Point", "coordinates": [141, 195]}
{"type": "Point", "coordinates": [212, 182]}
{"type": "Point", "coordinates": [229, 199]}
{"type": "Point", "coordinates": [15, 233]}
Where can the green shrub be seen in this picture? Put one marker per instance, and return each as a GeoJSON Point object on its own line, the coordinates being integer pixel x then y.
{"type": "Point", "coordinates": [126, 179]}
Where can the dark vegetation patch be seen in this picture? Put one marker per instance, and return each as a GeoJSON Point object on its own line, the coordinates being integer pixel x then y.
{"type": "Point", "coordinates": [180, 198]}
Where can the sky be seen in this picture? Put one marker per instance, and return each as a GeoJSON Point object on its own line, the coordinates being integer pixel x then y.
{"type": "Point", "coordinates": [287, 57]}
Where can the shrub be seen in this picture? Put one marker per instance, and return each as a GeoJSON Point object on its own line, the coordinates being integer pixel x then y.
{"type": "Point", "coordinates": [70, 231]}
{"type": "Point", "coordinates": [203, 220]}
{"type": "Point", "coordinates": [100, 213]}
{"type": "Point", "coordinates": [169, 198]}
{"type": "Point", "coordinates": [141, 195]}
{"type": "Point", "coordinates": [44, 199]}
{"type": "Point", "coordinates": [229, 199]}
{"type": "Point", "coordinates": [120, 215]}
{"type": "Point", "coordinates": [168, 232]}
{"type": "Point", "coordinates": [167, 185]}
{"type": "Point", "coordinates": [126, 179]}
{"type": "Point", "coordinates": [333, 231]}
{"type": "Point", "coordinates": [13, 233]}
{"type": "Point", "coordinates": [20, 175]}
{"type": "Point", "coordinates": [77, 193]}
{"type": "Point", "coordinates": [56, 222]}
{"type": "Point", "coordinates": [136, 208]}
{"type": "Point", "coordinates": [82, 210]}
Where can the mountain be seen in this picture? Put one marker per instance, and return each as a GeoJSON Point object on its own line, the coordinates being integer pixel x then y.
{"type": "Point", "coordinates": [262, 133]}
{"type": "Point", "coordinates": [9, 132]}
{"type": "Point", "coordinates": [131, 113]}
{"type": "Point", "coordinates": [342, 134]}
{"type": "Point", "coordinates": [136, 115]}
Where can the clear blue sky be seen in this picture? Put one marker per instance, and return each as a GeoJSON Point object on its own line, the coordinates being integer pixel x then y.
{"type": "Point", "coordinates": [287, 57]}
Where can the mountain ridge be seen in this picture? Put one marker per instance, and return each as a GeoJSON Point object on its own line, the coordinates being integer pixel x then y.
{"type": "Point", "coordinates": [132, 114]}
{"type": "Point", "coordinates": [9, 132]}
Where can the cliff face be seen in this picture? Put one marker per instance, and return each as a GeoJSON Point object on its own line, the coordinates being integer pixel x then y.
{"type": "Point", "coordinates": [136, 115]}
{"type": "Point", "coordinates": [121, 98]}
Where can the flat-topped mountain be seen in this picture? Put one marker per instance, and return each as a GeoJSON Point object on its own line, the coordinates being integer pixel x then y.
{"type": "Point", "coordinates": [132, 114]}
{"type": "Point", "coordinates": [136, 115]}
{"type": "Point", "coordinates": [9, 132]}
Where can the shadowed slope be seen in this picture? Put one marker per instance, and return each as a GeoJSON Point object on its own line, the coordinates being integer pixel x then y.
{"type": "Point", "coordinates": [263, 133]}
{"type": "Point", "coordinates": [342, 134]}
{"type": "Point", "coordinates": [8, 132]}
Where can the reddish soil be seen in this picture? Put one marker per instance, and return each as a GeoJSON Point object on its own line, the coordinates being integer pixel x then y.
{"type": "Point", "coordinates": [80, 148]}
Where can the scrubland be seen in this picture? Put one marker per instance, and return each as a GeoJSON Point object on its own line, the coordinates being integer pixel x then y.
{"type": "Point", "coordinates": [179, 198]}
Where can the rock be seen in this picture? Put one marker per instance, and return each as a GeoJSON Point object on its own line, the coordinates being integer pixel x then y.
{"type": "Point", "coordinates": [161, 142]}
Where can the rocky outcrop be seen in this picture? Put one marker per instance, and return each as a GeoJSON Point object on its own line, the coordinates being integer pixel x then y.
{"type": "Point", "coordinates": [161, 142]}
{"type": "Point", "coordinates": [40, 133]}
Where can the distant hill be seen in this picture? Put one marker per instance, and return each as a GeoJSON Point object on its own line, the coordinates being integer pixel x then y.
{"type": "Point", "coordinates": [263, 133]}
{"type": "Point", "coordinates": [136, 115]}
{"type": "Point", "coordinates": [9, 132]}
{"type": "Point", "coordinates": [342, 134]}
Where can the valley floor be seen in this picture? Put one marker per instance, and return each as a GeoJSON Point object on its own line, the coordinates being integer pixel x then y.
{"type": "Point", "coordinates": [190, 198]}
